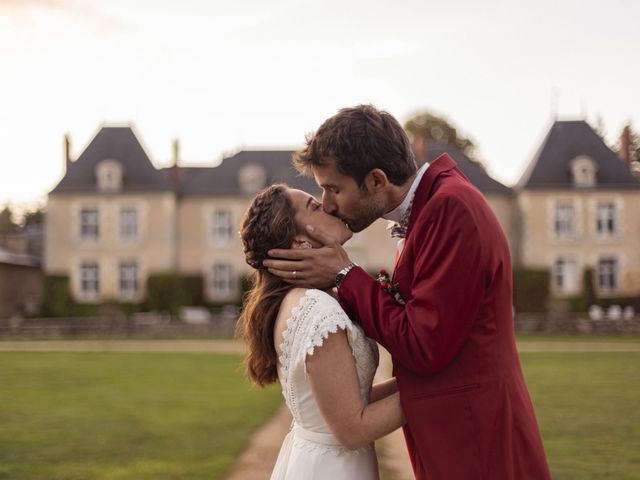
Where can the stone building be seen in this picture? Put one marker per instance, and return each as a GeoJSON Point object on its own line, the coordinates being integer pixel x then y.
{"type": "Point", "coordinates": [115, 219]}
{"type": "Point", "coordinates": [20, 284]}
{"type": "Point", "coordinates": [579, 208]}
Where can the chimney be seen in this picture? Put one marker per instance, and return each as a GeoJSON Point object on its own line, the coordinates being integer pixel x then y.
{"type": "Point", "coordinates": [175, 168]}
{"type": "Point", "coordinates": [420, 149]}
{"type": "Point", "coordinates": [625, 146]}
{"type": "Point", "coordinates": [67, 151]}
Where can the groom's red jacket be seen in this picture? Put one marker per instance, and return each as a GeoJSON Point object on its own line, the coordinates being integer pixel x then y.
{"type": "Point", "coordinates": [468, 411]}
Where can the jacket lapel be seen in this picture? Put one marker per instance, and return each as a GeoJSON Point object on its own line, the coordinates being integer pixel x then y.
{"type": "Point", "coordinates": [442, 164]}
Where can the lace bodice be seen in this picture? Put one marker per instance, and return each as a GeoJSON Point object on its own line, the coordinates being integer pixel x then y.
{"type": "Point", "coordinates": [317, 315]}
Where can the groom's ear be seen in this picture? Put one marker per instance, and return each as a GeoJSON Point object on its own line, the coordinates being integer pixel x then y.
{"type": "Point", "coordinates": [376, 181]}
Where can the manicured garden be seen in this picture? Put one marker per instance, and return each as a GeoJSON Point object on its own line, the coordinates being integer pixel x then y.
{"type": "Point", "coordinates": [588, 407]}
{"type": "Point", "coordinates": [125, 416]}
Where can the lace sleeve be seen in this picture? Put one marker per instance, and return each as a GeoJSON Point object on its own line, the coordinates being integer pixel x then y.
{"type": "Point", "coordinates": [324, 318]}
{"type": "Point", "coordinates": [317, 316]}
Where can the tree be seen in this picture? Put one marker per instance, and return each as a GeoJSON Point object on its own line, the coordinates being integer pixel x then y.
{"type": "Point", "coordinates": [7, 223]}
{"type": "Point", "coordinates": [634, 148]}
{"type": "Point", "coordinates": [33, 217]}
{"type": "Point", "coordinates": [432, 127]}
{"type": "Point", "coordinates": [436, 128]}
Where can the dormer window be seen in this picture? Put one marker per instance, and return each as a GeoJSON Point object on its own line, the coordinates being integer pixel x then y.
{"type": "Point", "coordinates": [252, 178]}
{"type": "Point", "coordinates": [109, 175]}
{"type": "Point", "coordinates": [583, 171]}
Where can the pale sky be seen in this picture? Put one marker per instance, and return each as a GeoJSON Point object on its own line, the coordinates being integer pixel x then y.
{"type": "Point", "coordinates": [249, 73]}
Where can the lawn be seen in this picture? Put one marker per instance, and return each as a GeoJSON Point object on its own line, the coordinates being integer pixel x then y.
{"type": "Point", "coordinates": [121, 416]}
{"type": "Point", "coordinates": [179, 416]}
{"type": "Point", "coordinates": [588, 407]}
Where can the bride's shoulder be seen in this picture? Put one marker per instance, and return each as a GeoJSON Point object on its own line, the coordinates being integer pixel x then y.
{"type": "Point", "coordinates": [294, 295]}
{"type": "Point", "coordinates": [300, 296]}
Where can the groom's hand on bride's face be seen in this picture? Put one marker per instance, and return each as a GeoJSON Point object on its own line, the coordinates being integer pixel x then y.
{"type": "Point", "coordinates": [316, 267]}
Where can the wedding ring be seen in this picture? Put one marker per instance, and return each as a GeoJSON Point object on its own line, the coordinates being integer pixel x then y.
{"type": "Point", "coordinates": [294, 274]}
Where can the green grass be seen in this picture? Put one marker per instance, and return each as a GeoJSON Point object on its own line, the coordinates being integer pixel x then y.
{"type": "Point", "coordinates": [179, 416]}
{"type": "Point", "coordinates": [582, 338]}
{"type": "Point", "coordinates": [121, 416]}
{"type": "Point", "coordinates": [588, 407]}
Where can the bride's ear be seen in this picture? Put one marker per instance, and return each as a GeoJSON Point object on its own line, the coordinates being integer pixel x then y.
{"type": "Point", "coordinates": [301, 242]}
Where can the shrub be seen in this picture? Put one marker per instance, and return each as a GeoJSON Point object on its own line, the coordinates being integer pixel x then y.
{"type": "Point", "coordinates": [168, 292]}
{"type": "Point", "coordinates": [531, 289]}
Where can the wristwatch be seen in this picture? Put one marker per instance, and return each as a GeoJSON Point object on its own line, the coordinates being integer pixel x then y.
{"type": "Point", "coordinates": [343, 273]}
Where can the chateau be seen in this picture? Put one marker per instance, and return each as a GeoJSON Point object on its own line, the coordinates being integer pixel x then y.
{"type": "Point", "coordinates": [114, 219]}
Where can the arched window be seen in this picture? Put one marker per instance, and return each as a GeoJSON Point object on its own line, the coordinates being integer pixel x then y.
{"type": "Point", "coordinates": [252, 178]}
{"type": "Point", "coordinates": [109, 175]}
{"type": "Point", "coordinates": [583, 171]}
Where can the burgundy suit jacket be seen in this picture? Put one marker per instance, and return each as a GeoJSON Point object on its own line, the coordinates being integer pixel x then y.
{"type": "Point", "coordinates": [469, 414]}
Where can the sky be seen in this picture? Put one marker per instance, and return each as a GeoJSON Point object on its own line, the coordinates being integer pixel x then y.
{"type": "Point", "coordinates": [222, 76]}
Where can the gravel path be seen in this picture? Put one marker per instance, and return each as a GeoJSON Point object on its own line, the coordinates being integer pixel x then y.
{"type": "Point", "coordinates": [257, 461]}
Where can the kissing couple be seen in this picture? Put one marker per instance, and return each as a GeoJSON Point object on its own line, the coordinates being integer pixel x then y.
{"type": "Point", "coordinates": [313, 316]}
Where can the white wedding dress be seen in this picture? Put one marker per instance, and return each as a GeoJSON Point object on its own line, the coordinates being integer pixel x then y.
{"type": "Point", "coordinates": [310, 451]}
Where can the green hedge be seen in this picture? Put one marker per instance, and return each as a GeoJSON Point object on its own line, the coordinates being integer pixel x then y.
{"type": "Point", "coordinates": [531, 290]}
{"type": "Point", "coordinates": [165, 292]}
{"type": "Point", "coordinates": [168, 292]}
{"type": "Point", "coordinates": [581, 303]}
{"type": "Point", "coordinates": [58, 302]}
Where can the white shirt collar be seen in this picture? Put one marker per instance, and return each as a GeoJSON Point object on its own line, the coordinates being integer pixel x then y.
{"type": "Point", "coordinates": [396, 214]}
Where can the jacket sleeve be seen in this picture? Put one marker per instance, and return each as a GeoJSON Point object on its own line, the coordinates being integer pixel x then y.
{"type": "Point", "coordinates": [426, 333]}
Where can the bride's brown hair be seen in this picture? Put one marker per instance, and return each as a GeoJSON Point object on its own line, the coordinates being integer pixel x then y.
{"type": "Point", "coordinates": [269, 223]}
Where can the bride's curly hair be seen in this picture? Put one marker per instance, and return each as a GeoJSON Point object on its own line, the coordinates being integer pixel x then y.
{"type": "Point", "coordinates": [268, 223]}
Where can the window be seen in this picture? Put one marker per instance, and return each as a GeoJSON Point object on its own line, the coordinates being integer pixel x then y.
{"type": "Point", "coordinates": [109, 175]}
{"type": "Point", "coordinates": [565, 275]}
{"type": "Point", "coordinates": [128, 224]}
{"type": "Point", "coordinates": [223, 283]}
{"type": "Point", "coordinates": [89, 229]}
{"type": "Point", "coordinates": [608, 274]}
{"type": "Point", "coordinates": [252, 178]}
{"type": "Point", "coordinates": [584, 171]}
{"type": "Point", "coordinates": [89, 279]}
{"type": "Point", "coordinates": [564, 220]}
{"type": "Point", "coordinates": [128, 278]}
{"type": "Point", "coordinates": [222, 229]}
{"type": "Point", "coordinates": [606, 218]}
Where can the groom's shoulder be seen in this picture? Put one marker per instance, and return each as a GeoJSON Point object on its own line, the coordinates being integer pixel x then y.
{"type": "Point", "coordinates": [453, 195]}
{"type": "Point", "coordinates": [456, 191]}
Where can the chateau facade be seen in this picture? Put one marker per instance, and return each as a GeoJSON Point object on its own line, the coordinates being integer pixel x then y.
{"type": "Point", "coordinates": [115, 219]}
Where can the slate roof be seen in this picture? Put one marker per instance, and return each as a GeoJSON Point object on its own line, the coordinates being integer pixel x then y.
{"type": "Point", "coordinates": [223, 180]}
{"type": "Point", "coordinates": [474, 172]}
{"type": "Point", "coordinates": [566, 140]}
{"type": "Point", "coordinates": [21, 259]}
{"type": "Point", "coordinates": [119, 143]}
{"type": "Point", "coordinates": [139, 174]}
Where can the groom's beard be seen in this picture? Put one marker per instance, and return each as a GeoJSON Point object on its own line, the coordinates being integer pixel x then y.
{"type": "Point", "coordinates": [368, 211]}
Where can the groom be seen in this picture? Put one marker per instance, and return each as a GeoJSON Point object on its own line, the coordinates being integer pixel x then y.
{"type": "Point", "coordinates": [451, 336]}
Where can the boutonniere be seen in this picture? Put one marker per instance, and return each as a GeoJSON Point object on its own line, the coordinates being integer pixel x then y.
{"type": "Point", "coordinates": [385, 284]}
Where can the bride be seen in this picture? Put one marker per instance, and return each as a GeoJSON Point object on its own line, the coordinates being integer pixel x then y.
{"type": "Point", "coordinates": [303, 338]}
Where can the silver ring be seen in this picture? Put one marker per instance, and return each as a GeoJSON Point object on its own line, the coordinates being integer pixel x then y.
{"type": "Point", "coordinates": [294, 274]}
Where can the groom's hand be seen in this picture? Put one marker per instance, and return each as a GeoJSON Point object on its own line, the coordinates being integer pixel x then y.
{"type": "Point", "coordinates": [316, 267]}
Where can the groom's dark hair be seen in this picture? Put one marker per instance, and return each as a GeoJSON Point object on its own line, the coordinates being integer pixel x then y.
{"type": "Point", "coordinates": [360, 139]}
